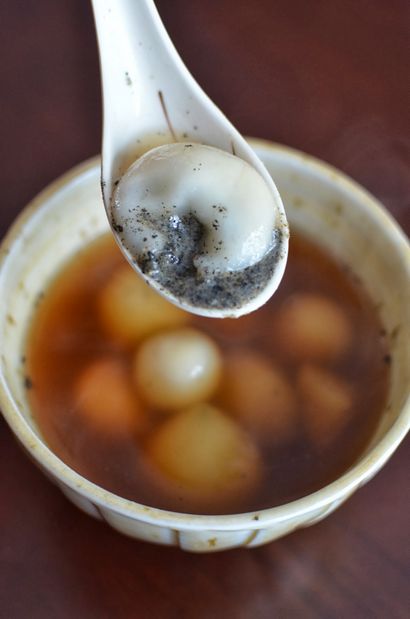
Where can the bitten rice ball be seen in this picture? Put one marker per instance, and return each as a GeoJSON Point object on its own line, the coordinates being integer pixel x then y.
{"type": "Point", "coordinates": [130, 310]}
{"type": "Point", "coordinates": [206, 452]}
{"type": "Point", "coordinates": [106, 399]}
{"type": "Point", "coordinates": [176, 369]}
{"type": "Point", "coordinates": [312, 327]}
{"type": "Point", "coordinates": [258, 394]}
{"type": "Point", "coordinates": [327, 403]}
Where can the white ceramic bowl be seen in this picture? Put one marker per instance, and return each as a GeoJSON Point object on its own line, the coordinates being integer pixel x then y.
{"type": "Point", "coordinates": [329, 208]}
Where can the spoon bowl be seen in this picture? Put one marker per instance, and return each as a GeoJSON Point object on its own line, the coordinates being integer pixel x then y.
{"type": "Point", "coordinates": [150, 99]}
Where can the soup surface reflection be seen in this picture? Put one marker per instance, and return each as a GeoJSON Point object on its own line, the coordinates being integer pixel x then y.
{"type": "Point", "coordinates": [205, 415]}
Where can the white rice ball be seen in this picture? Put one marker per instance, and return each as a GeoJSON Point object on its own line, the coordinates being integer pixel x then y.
{"type": "Point", "coordinates": [177, 368]}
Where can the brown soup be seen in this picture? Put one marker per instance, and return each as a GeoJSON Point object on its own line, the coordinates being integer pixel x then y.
{"type": "Point", "coordinates": [289, 397]}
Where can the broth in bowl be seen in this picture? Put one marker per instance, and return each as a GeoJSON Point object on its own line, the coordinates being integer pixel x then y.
{"type": "Point", "coordinates": [203, 415]}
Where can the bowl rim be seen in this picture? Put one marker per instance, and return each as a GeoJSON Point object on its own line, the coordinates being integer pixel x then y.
{"type": "Point", "coordinates": [342, 487]}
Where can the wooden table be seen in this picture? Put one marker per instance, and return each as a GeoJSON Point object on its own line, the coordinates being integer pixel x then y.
{"type": "Point", "coordinates": [328, 77]}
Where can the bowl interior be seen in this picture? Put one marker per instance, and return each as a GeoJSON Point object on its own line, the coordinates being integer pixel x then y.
{"type": "Point", "coordinates": [351, 225]}
{"type": "Point", "coordinates": [320, 202]}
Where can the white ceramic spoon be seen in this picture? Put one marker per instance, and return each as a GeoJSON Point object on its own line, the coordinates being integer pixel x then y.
{"type": "Point", "coordinates": [149, 99]}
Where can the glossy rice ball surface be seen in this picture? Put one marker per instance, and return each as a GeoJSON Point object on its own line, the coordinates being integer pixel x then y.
{"type": "Point", "coordinates": [177, 368]}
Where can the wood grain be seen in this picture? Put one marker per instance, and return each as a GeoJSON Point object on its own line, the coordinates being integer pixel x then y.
{"type": "Point", "coordinates": [329, 78]}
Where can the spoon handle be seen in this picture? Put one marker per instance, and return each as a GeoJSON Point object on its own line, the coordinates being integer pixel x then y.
{"type": "Point", "coordinates": [149, 96]}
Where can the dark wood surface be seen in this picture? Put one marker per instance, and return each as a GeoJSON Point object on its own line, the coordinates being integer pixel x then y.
{"type": "Point", "coordinates": [330, 78]}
